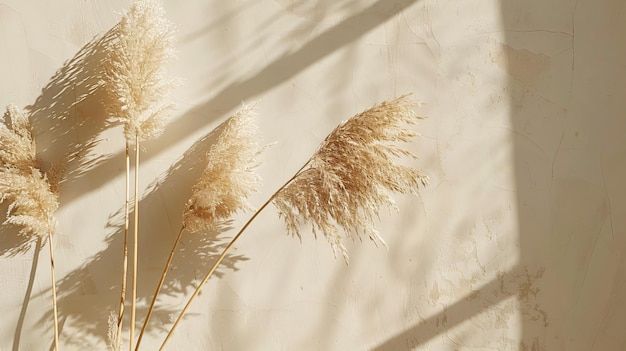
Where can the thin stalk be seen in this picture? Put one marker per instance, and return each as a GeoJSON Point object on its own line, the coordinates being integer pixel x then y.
{"type": "Point", "coordinates": [54, 295]}
{"type": "Point", "coordinates": [223, 255]}
{"type": "Point", "coordinates": [158, 289]}
{"type": "Point", "coordinates": [120, 316]}
{"type": "Point", "coordinates": [135, 236]}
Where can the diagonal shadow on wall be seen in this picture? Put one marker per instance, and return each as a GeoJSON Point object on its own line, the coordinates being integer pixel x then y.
{"type": "Point", "coordinates": [517, 283]}
{"type": "Point", "coordinates": [68, 118]}
{"type": "Point", "coordinates": [90, 293]}
{"type": "Point", "coordinates": [565, 70]}
{"type": "Point", "coordinates": [568, 161]}
{"type": "Point", "coordinates": [66, 121]}
{"type": "Point", "coordinates": [268, 77]}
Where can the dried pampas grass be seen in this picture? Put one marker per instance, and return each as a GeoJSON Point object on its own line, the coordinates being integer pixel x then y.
{"type": "Point", "coordinates": [139, 93]}
{"type": "Point", "coordinates": [32, 199]}
{"type": "Point", "coordinates": [345, 183]}
{"type": "Point", "coordinates": [18, 147]}
{"type": "Point", "coordinates": [229, 177]}
{"type": "Point", "coordinates": [135, 75]}
{"type": "Point", "coordinates": [22, 185]}
{"type": "Point", "coordinates": [112, 344]}
{"type": "Point", "coordinates": [352, 175]}
{"type": "Point", "coordinates": [223, 187]}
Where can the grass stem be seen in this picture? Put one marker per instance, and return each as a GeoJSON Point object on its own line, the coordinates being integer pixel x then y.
{"type": "Point", "coordinates": [136, 243]}
{"type": "Point", "coordinates": [223, 255]}
{"type": "Point", "coordinates": [159, 286]}
{"type": "Point", "coordinates": [54, 295]}
{"type": "Point", "coordinates": [120, 317]}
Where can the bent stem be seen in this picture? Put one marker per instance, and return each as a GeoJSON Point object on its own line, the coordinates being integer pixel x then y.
{"type": "Point", "coordinates": [136, 209]}
{"type": "Point", "coordinates": [120, 316]}
{"type": "Point", "coordinates": [159, 286]}
{"type": "Point", "coordinates": [223, 255]}
{"type": "Point", "coordinates": [54, 295]}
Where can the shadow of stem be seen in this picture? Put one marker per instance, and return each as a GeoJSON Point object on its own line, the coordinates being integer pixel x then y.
{"type": "Point", "coordinates": [29, 291]}
{"type": "Point", "coordinates": [66, 120]}
{"type": "Point", "coordinates": [89, 294]}
{"type": "Point", "coordinates": [272, 75]}
{"type": "Point", "coordinates": [517, 282]}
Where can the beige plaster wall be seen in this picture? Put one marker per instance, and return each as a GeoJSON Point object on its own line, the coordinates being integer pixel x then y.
{"type": "Point", "coordinates": [519, 243]}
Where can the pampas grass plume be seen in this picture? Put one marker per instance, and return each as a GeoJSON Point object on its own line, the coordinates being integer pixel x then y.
{"type": "Point", "coordinates": [28, 191]}
{"type": "Point", "coordinates": [32, 199]}
{"type": "Point", "coordinates": [18, 147]}
{"type": "Point", "coordinates": [112, 344]}
{"type": "Point", "coordinates": [139, 98]}
{"type": "Point", "coordinates": [223, 187]}
{"type": "Point", "coordinates": [344, 184]}
{"type": "Point", "coordinates": [229, 177]}
{"type": "Point", "coordinates": [352, 176]}
{"type": "Point", "coordinates": [135, 71]}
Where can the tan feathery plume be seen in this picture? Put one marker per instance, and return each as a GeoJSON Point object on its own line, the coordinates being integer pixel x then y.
{"type": "Point", "coordinates": [352, 175]}
{"type": "Point", "coordinates": [112, 332]}
{"type": "Point", "coordinates": [32, 199]}
{"type": "Point", "coordinates": [345, 183]}
{"type": "Point", "coordinates": [224, 186]}
{"type": "Point", "coordinates": [229, 177]}
{"type": "Point", "coordinates": [135, 74]}
{"type": "Point", "coordinates": [18, 147]}
{"type": "Point", "coordinates": [136, 84]}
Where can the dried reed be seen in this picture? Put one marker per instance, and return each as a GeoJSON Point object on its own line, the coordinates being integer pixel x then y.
{"type": "Point", "coordinates": [32, 198]}
{"type": "Point", "coordinates": [352, 175]}
{"type": "Point", "coordinates": [135, 78]}
{"type": "Point", "coordinates": [346, 182]}
{"type": "Point", "coordinates": [224, 186]}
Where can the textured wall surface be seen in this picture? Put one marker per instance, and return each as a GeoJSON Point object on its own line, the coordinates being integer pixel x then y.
{"type": "Point", "coordinates": [519, 243]}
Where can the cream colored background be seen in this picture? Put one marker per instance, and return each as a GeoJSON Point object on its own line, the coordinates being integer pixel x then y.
{"type": "Point", "coordinates": [518, 244]}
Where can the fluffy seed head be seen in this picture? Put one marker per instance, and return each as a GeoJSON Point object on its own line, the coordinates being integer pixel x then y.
{"type": "Point", "coordinates": [31, 198]}
{"type": "Point", "coordinates": [112, 332]}
{"type": "Point", "coordinates": [229, 177]}
{"type": "Point", "coordinates": [135, 71]}
{"type": "Point", "coordinates": [18, 147]}
{"type": "Point", "coordinates": [352, 175]}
